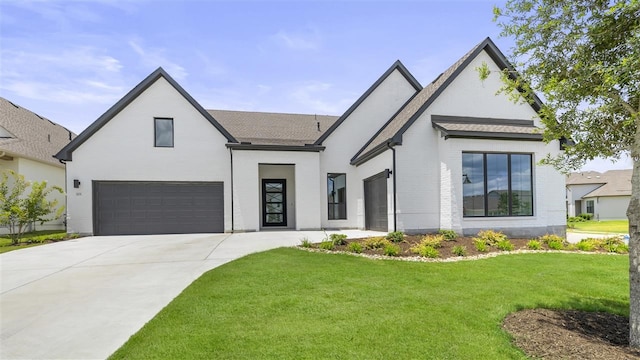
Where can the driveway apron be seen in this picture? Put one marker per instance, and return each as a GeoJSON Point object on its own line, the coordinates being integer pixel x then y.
{"type": "Point", "coordinates": [83, 298]}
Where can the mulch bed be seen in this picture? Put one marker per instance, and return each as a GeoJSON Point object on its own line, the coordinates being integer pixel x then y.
{"type": "Point", "coordinates": [445, 250]}
{"type": "Point", "coordinates": [570, 334]}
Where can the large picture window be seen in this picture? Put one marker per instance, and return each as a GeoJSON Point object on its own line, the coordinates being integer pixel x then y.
{"type": "Point", "coordinates": [497, 184]}
{"type": "Point", "coordinates": [163, 132]}
{"type": "Point", "coordinates": [337, 196]}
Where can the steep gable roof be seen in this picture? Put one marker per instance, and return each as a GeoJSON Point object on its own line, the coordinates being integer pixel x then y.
{"type": "Point", "coordinates": [66, 152]}
{"type": "Point", "coordinates": [396, 66]}
{"type": "Point", "coordinates": [392, 132]}
{"type": "Point", "coordinates": [26, 134]}
{"type": "Point", "coordinates": [263, 128]}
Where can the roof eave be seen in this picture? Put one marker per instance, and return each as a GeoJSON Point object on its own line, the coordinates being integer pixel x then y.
{"type": "Point", "coordinates": [265, 147]}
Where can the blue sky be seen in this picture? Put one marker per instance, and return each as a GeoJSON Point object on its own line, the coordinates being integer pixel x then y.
{"type": "Point", "coordinates": [71, 60]}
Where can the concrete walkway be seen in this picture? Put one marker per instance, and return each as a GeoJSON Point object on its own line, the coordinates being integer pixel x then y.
{"type": "Point", "coordinates": [575, 237]}
{"type": "Point", "coordinates": [83, 298]}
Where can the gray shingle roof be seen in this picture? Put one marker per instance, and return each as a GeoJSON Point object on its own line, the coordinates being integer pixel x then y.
{"type": "Point", "coordinates": [618, 183]}
{"type": "Point", "coordinates": [32, 136]}
{"type": "Point", "coordinates": [262, 128]}
{"type": "Point", "coordinates": [464, 127]}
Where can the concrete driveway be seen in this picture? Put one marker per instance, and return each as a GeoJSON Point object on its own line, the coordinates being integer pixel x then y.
{"type": "Point", "coordinates": [83, 298]}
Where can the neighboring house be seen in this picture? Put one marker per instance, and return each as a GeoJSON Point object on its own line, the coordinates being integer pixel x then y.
{"type": "Point", "coordinates": [450, 155]}
{"type": "Point", "coordinates": [28, 142]}
{"type": "Point", "coordinates": [605, 195]}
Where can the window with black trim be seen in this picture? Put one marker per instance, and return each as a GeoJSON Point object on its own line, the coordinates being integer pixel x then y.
{"type": "Point", "coordinates": [163, 132]}
{"type": "Point", "coordinates": [337, 196]}
{"type": "Point", "coordinates": [497, 184]}
{"type": "Point", "coordinates": [590, 207]}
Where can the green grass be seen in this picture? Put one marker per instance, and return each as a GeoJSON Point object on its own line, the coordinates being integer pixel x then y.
{"type": "Point", "coordinates": [605, 226]}
{"type": "Point", "coordinates": [34, 238]}
{"type": "Point", "coordinates": [291, 304]}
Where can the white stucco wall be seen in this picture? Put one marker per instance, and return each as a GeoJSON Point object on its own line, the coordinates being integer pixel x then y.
{"type": "Point", "coordinates": [123, 149]}
{"type": "Point", "coordinates": [38, 171]}
{"type": "Point", "coordinates": [351, 136]}
{"type": "Point", "coordinates": [609, 207]}
{"type": "Point", "coordinates": [247, 184]}
{"type": "Point", "coordinates": [430, 168]}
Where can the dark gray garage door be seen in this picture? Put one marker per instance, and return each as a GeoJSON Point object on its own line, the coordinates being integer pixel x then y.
{"type": "Point", "coordinates": [375, 202]}
{"type": "Point", "coordinates": [137, 208]}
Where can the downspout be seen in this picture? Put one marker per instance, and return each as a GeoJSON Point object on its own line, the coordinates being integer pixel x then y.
{"type": "Point", "coordinates": [393, 172]}
{"type": "Point", "coordinates": [231, 155]}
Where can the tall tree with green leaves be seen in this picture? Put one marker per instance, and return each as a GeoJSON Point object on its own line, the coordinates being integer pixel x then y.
{"type": "Point", "coordinates": [583, 56]}
{"type": "Point", "coordinates": [18, 210]}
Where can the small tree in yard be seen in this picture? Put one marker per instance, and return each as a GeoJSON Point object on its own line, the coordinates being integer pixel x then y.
{"type": "Point", "coordinates": [584, 57]}
{"type": "Point", "coordinates": [18, 210]}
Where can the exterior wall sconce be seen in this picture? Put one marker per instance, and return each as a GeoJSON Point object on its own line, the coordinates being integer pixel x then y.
{"type": "Point", "coordinates": [76, 183]}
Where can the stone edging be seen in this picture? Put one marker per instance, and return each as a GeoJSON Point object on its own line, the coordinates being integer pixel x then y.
{"type": "Point", "coordinates": [454, 258]}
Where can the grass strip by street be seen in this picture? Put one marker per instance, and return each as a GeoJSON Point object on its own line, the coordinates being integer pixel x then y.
{"type": "Point", "coordinates": [292, 304]}
{"type": "Point", "coordinates": [31, 239]}
{"type": "Point", "coordinates": [604, 226]}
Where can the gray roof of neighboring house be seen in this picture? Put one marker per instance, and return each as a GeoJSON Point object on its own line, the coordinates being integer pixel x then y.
{"type": "Point", "coordinates": [30, 135]}
{"type": "Point", "coordinates": [262, 128]}
{"type": "Point", "coordinates": [614, 182]}
{"type": "Point", "coordinates": [392, 131]}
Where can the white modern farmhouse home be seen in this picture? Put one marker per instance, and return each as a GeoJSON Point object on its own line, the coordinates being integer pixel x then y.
{"type": "Point", "coordinates": [449, 155]}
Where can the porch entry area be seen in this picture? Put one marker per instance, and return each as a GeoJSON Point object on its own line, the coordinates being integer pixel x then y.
{"type": "Point", "coordinates": [277, 196]}
{"type": "Point", "coordinates": [375, 202]}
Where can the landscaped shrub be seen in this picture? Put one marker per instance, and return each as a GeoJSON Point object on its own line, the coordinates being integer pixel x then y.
{"type": "Point", "coordinates": [586, 216]}
{"type": "Point", "coordinates": [504, 245]}
{"type": "Point", "coordinates": [547, 238]}
{"type": "Point", "coordinates": [480, 245]}
{"type": "Point", "coordinates": [395, 236]}
{"type": "Point", "coordinates": [326, 245]}
{"type": "Point", "coordinates": [534, 245]}
{"type": "Point", "coordinates": [377, 242]}
{"type": "Point", "coordinates": [589, 244]}
{"type": "Point", "coordinates": [575, 219]}
{"type": "Point", "coordinates": [435, 241]}
{"type": "Point", "coordinates": [491, 237]}
{"type": "Point", "coordinates": [391, 250]}
{"type": "Point", "coordinates": [555, 245]}
{"type": "Point", "coordinates": [459, 250]}
{"type": "Point", "coordinates": [614, 244]}
{"type": "Point", "coordinates": [305, 243]}
{"type": "Point", "coordinates": [448, 235]}
{"type": "Point", "coordinates": [338, 239]}
{"type": "Point", "coordinates": [426, 251]}
{"type": "Point", "coordinates": [355, 247]}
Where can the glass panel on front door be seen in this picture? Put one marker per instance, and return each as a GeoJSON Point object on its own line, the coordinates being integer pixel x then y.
{"type": "Point", "coordinates": [274, 206]}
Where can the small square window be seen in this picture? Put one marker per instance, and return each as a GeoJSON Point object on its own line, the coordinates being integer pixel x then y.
{"type": "Point", "coordinates": [163, 132]}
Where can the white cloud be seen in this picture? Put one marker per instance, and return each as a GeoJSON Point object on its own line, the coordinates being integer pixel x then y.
{"type": "Point", "coordinates": [72, 75]}
{"type": "Point", "coordinates": [310, 40]}
{"type": "Point", "coordinates": [155, 57]}
{"type": "Point", "coordinates": [321, 98]}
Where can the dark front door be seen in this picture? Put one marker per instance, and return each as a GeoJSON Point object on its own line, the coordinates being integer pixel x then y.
{"type": "Point", "coordinates": [274, 202]}
{"type": "Point", "coordinates": [375, 202]}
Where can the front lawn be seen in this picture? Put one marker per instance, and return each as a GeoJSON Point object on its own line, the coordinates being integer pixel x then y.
{"type": "Point", "coordinates": [292, 304]}
{"type": "Point", "coordinates": [604, 226]}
